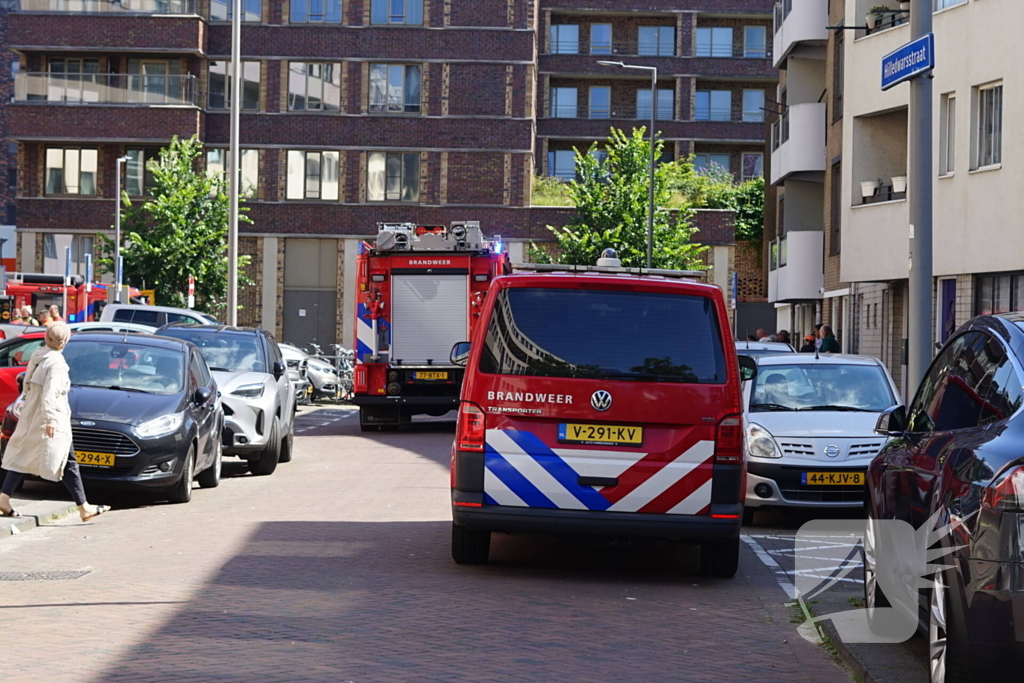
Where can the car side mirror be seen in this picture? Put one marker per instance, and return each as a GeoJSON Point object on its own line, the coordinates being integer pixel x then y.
{"type": "Point", "coordinates": [202, 395]}
{"type": "Point", "coordinates": [21, 381]}
{"type": "Point", "coordinates": [279, 369]}
{"type": "Point", "coordinates": [460, 353]}
{"type": "Point", "coordinates": [892, 422]}
{"type": "Point", "coordinates": [748, 368]}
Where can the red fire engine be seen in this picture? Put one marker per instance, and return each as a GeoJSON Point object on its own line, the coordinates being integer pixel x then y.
{"type": "Point", "coordinates": [420, 291]}
{"type": "Point", "coordinates": [41, 290]}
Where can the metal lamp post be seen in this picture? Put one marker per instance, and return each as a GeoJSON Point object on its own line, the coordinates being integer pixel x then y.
{"type": "Point", "coordinates": [654, 114]}
{"type": "Point", "coordinates": [234, 161]}
{"type": "Point", "coordinates": [117, 227]}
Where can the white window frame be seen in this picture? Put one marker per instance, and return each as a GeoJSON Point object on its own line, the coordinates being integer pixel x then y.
{"type": "Point", "coordinates": [565, 102]}
{"type": "Point", "coordinates": [947, 133]}
{"type": "Point", "coordinates": [988, 145]}
{"type": "Point", "coordinates": [300, 182]}
{"type": "Point", "coordinates": [565, 45]}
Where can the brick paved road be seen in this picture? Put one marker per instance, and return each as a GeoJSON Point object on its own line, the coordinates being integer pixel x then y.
{"type": "Point", "coordinates": [337, 569]}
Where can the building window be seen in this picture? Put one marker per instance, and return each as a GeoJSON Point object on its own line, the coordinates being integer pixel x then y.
{"type": "Point", "coordinates": [11, 215]}
{"type": "Point", "coordinates": [565, 39]}
{"type": "Point", "coordinates": [397, 12]}
{"type": "Point", "coordinates": [753, 105]}
{"type": "Point", "coordinates": [836, 210]}
{"type": "Point", "coordinates": [316, 11]}
{"type": "Point", "coordinates": [154, 81]}
{"type": "Point", "coordinates": [943, 4]}
{"type": "Point", "coordinates": [713, 105]}
{"type": "Point", "coordinates": [217, 162]}
{"type": "Point", "coordinates": [562, 164]}
{"type": "Point", "coordinates": [656, 41]}
{"type": "Point", "coordinates": [220, 85]}
{"type": "Point", "coordinates": [314, 86]}
{"type": "Point", "coordinates": [666, 104]}
{"type": "Point", "coordinates": [989, 128]}
{"type": "Point", "coordinates": [221, 10]}
{"type": "Point", "coordinates": [395, 88]}
{"type": "Point", "coordinates": [563, 103]}
{"type": "Point", "coordinates": [312, 175]}
{"type": "Point", "coordinates": [600, 102]}
{"type": "Point", "coordinates": [1000, 293]}
{"type": "Point", "coordinates": [71, 80]}
{"type": "Point", "coordinates": [753, 166]}
{"type": "Point", "coordinates": [600, 39]}
{"type": "Point", "coordinates": [755, 42]}
{"type": "Point", "coordinates": [71, 171]}
{"type": "Point", "coordinates": [947, 135]}
{"type": "Point", "coordinates": [393, 177]}
{"type": "Point", "coordinates": [704, 163]}
{"type": "Point", "coordinates": [714, 42]}
{"type": "Point", "coordinates": [138, 180]}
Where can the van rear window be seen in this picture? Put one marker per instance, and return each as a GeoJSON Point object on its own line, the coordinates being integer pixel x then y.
{"type": "Point", "coordinates": [604, 334]}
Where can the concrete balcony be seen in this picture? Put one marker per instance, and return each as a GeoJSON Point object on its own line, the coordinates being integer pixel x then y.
{"type": "Point", "coordinates": [798, 273]}
{"type": "Point", "coordinates": [876, 240]}
{"type": "Point", "coordinates": [798, 143]}
{"type": "Point", "coordinates": [104, 89]}
{"type": "Point", "coordinates": [798, 24]}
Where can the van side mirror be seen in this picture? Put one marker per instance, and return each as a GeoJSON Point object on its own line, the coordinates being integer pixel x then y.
{"type": "Point", "coordinates": [202, 396]}
{"type": "Point", "coordinates": [892, 422]}
{"type": "Point", "coordinates": [279, 369]}
{"type": "Point", "coordinates": [748, 368]}
{"type": "Point", "coordinates": [460, 353]}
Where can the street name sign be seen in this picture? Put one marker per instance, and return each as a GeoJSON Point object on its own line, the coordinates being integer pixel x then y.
{"type": "Point", "coordinates": [910, 61]}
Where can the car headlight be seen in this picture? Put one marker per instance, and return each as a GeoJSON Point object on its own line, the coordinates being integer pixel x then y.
{"type": "Point", "coordinates": [16, 408]}
{"type": "Point", "coordinates": [760, 443]}
{"type": "Point", "coordinates": [160, 426]}
{"type": "Point", "coordinates": [249, 391]}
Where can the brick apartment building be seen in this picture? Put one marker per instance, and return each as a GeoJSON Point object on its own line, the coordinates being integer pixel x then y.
{"type": "Point", "coordinates": [359, 111]}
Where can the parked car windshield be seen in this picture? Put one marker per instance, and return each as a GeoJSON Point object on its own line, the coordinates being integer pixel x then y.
{"type": "Point", "coordinates": [757, 353]}
{"type": "Point", "coordinates": [224, 351]}
{"type": "Point", "coordinates": [821, 387]}
{"type": "Point", "coordinates": [602, 334]}
{"type": "Point", "coordinates": [125, 366]}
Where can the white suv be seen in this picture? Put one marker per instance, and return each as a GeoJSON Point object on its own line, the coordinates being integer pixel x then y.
{"type": "Point", "coordinates": [155, 316]}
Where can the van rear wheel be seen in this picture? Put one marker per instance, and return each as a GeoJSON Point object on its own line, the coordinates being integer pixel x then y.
{"type": "Point", "coordinates": [720, 558]}
{"type": "Point", "coordinates": [470, 546]}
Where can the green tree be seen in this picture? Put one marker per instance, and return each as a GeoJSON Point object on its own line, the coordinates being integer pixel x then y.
{"type": "Point", "coordinates": [180, 229]}
{"type": "Point", "coordinates": [748, 202]}
{"type": "Point", "coordinates": [611, 199]}
{"type": "Point", "coordinates": [715, 188]}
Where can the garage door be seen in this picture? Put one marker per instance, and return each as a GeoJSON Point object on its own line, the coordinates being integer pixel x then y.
{"type": "Point", "coordinates": [428, 317]}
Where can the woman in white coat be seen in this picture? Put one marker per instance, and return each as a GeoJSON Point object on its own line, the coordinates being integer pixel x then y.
{"type": "Point", "coordinates": [41, 443]}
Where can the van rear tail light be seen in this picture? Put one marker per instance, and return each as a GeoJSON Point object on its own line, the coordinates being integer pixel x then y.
{"type": "Point", "coordinates": [729, 440]}
{"type": "Point", "coordinates": [1007, 494]}
{"type": "Point", "coordinates": [471, 429]}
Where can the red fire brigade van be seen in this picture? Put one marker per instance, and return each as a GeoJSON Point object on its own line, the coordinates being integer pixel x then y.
{"type": "Point", "coordinates": [601, 400]}
{"type": "Point", "coordinates": [419, 291]}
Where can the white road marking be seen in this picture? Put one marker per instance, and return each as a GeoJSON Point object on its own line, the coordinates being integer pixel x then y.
{"type": "Point", "coordinates": [768, 561]}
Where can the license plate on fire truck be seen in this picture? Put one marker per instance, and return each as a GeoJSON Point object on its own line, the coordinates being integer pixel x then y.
{"type": "Point", "coordinates": [601, 435]}
{"type": "Point", "coordinates": [430, 375]}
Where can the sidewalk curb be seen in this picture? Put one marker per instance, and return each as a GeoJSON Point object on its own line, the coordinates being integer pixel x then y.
{"type": "Point", "coordinates": [844, 653]}
{"type": "Point", "coordinates": [11, 526]}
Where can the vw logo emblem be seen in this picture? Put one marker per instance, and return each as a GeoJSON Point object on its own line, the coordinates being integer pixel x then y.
{"type": "Point", "coordinates": [601, 400]}
{"type": "Point", "coordinates": [86, 423]}
{"type": "Point", "coordinates": [831, 450]}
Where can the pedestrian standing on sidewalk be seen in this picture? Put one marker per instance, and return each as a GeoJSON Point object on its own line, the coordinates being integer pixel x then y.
{"type": "Point", "coordinates": [829, 343]}
{"type": "Point", "coordinates": [41, 443]}
{"type": "Point", "coordinates": [26, 316]}
{"type": "Point", "coordinates": [809, 344]}
{"type": "Point", "coordinates": [54, 312]}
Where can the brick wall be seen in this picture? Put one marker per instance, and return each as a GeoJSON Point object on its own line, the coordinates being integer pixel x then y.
{"type": "Point", "coordinates": [250, 297]}
{"type": "Point", "coordinates": [749, 263]}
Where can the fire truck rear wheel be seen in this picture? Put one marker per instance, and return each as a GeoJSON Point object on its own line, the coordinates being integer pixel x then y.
{"type": "Point", "coordinates": [470, 546]}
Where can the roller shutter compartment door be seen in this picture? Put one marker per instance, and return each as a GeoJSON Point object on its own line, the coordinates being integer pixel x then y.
{"type": "Point", "coordinates": [428, 316]}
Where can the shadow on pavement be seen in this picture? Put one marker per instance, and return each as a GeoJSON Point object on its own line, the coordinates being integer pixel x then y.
{"type": "Point", "coordinates": [378, 601]}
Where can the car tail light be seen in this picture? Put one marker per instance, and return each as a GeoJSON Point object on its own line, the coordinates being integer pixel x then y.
{"type": "Point", "coordinates": [729, 440]}
{"type": "Point", "coordinates": [471, 428]}
{"type": "Point", "coordinates": [1006, 494]}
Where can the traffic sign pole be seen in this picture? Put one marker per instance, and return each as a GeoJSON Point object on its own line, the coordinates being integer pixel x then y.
{"type": "Point", "coordinates": [921, 329]}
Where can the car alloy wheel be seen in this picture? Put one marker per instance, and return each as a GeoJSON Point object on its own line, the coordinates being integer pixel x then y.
{"type": "Point", "coordinates": [937, 633]}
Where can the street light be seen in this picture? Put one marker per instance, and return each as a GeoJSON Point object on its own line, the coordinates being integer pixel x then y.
{"type": "Point", "coordinates": [233, 161]}
{"type": "Point", "coordinates": [654, 111]}
{"type": "Point", "coordinates": [117, 227]}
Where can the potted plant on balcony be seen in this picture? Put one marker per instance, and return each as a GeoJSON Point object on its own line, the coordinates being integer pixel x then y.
{"type": "Point", "coordinates": [904, 5]}
{"type": "Point", "coordinates": [875, 14]}
{"type": "Point", "coordinates": [869, 187]}
{"type": "Point", "coordinates": [899, 184]}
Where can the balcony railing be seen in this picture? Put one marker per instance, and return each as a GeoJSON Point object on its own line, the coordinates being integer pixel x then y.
{"type": "Point", "coordinates": [104, 89]}
{"type": "Point", "coordinates": [888, 19]}
{"type": "Point", "coordinates": [780, 131]}
{"type": "Point", "coordinates": [666, 112]}
{"type": "Point", "coordinates": [651, 49]}
{"type": "Point", "coordinates": [782, 10]}
{"type": "Point", "coordinates": [108, 6]}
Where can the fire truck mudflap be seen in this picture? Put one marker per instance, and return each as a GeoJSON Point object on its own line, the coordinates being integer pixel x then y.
{"type": "Point", "coordinates": [420, 288]}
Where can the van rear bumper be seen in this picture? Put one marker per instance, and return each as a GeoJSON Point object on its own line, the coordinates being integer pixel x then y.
{"type": "Point", "coordinates": [543, 520]}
